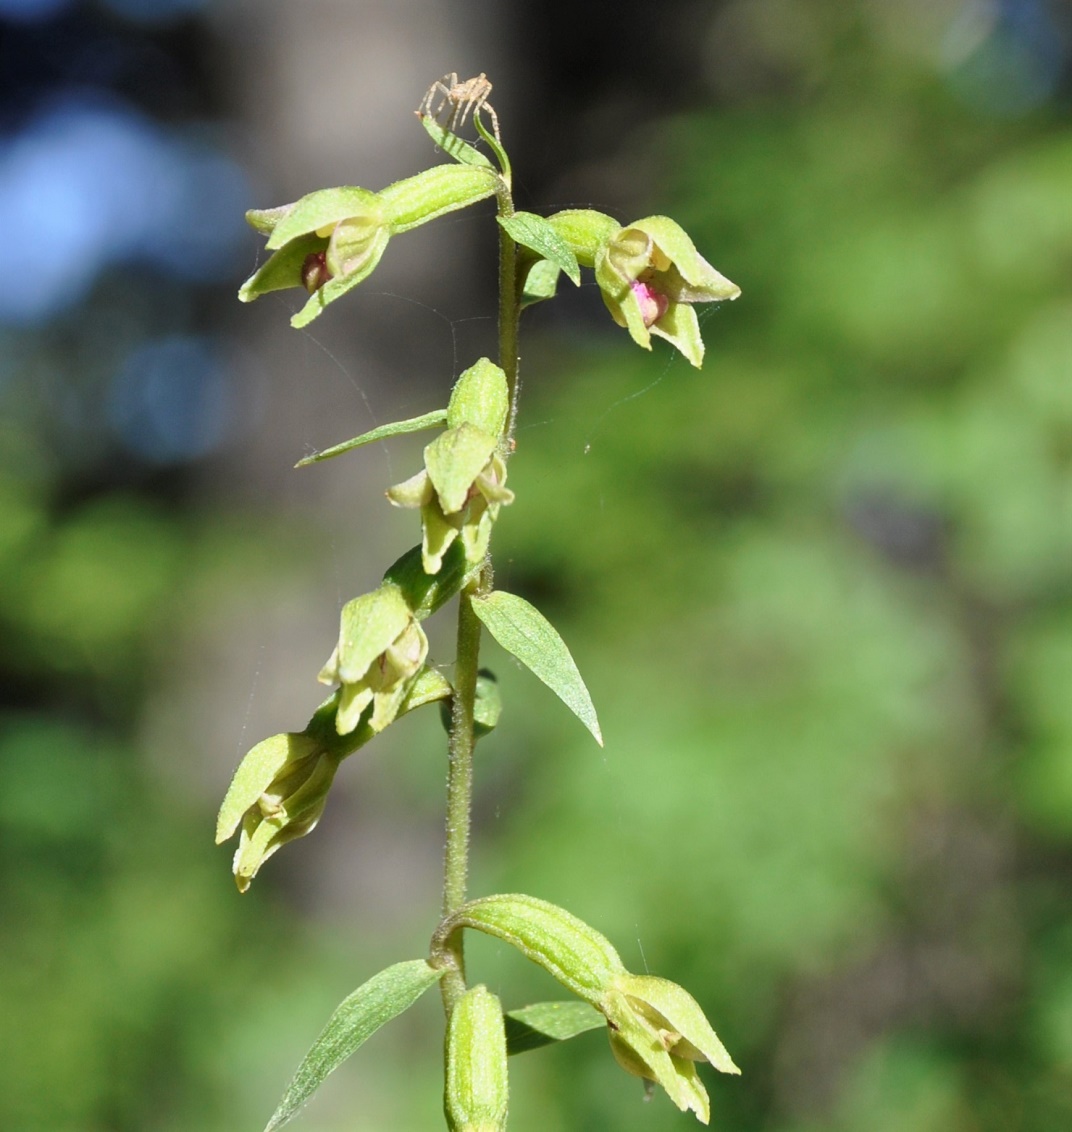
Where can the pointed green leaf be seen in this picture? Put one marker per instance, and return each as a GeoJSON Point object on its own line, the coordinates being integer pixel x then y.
{"type": "Point", "coordinates": [381, 432]}
{"type": "Point", "coordinates": [540, 282]}
{"type": "Point", "coordinates": [544, 1022]}
{"type": "Point", "coordinates": [425, 593]}
{"type": "Point", "coordinates": [534, 232]}
{"type": "Point", "coordinates": [452, 145]}
{"type": "Point", "coordinates": [523, 630]}
{"type": "Point", "coordinates": [356, 1019]}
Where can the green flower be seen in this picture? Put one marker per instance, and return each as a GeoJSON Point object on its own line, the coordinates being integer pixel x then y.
{"type": "Point", "coordinates": [659, 1032]}
{"type": "Point", "coordinates": [459, 492]}
{"type": "Point", "coordinates": [327, 242]}
{"type": "Point", "coordinates": [381, 650]}
{"type": "Point", "coordinates": [463, 483]}
{"type": "Point", "coordinates": [278, 795]}
{"type": "Point", "coordinates": [651, 275]}
{"type": "Point", "coordinates": [330, 240]}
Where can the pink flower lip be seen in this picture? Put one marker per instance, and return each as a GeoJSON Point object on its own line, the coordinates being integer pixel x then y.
{"type": "Point", "coordinates": [653, 304]}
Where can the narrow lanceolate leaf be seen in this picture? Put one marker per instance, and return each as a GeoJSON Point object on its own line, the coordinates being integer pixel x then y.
{"type": "Point", "coordinates": [356, 1019]}
{"type": "Point", "coordinates": [545, 1022]}
{"type": "Point", "coordinates": [381, 432]}
{"type": "Point", "coordinates": [523, 630]}
{"type": "Point", "coordinates": [452, 145]}
{"type": "Point", "coordinates": [536, 233]}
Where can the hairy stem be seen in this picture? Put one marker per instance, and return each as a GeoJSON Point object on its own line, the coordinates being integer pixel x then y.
{"type": "Point", "coordinates": [460, 786]}
{"type": "Point", "coordinates": [462, 739]}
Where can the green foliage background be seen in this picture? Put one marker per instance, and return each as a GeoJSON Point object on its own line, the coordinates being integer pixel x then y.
{"type": "Point", "coordinates": [821, 595]}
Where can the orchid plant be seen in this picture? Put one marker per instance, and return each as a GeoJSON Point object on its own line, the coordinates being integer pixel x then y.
{"type": "Point", "coordinates": [651, 278]}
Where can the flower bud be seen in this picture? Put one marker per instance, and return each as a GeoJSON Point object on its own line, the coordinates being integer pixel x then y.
{"type": "Point", "coordinates": [462, 486]}
{"type": "Point", "coordinates": [381, 650]}
{"type": "Point", "coordinates": [476, 1091]}
{"type": "Point", "coordinates": [278, 794]}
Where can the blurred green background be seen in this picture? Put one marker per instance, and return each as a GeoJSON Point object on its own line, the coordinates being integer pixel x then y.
{"type": "Point", "coordinates": [820, 590]}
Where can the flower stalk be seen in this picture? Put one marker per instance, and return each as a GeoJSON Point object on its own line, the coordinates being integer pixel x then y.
{"type": "Point", "coordinates": [650, 276]}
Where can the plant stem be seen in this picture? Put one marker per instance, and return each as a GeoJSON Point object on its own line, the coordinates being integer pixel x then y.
{"type": "Point", "coordinates": [462, 739]}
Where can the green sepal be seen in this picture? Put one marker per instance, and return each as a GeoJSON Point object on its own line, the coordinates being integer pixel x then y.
{"type": "Point", "coordinates": [584, 231]}
{"type": "Point", "coordinates": [264, 220]}
{"type": "Point", "coordinates": [674, 1005]}
{"type": "Point", "coordinates": [579, 957]}
{"type": "Point", "coordinates": [368, 625]}
{"type": "Point", "coordinates": [454, 460]}
{"type": "Point", "coordinates": [335, 288]}
{"type": "Point", "coordinates": [523, 631]}
{"type": "Point", "coordinates": [680, 326]}
{"type": "Point", "coordinates": [381, 432]}
{"type": "Point", "coordinates": [699, 282]}
{"type": "Point", "coordinates": [435, 192]}
{"type": "Point", "coordinates": [282, 269]}
{"type": "Point", "coordinates": [539, 282]}
{"type": "Point", "coordinates": [356, 1019]}
{"type": "Point", "coordinates": [452, 145]}
{"type": "Point", "coordinates": [481, 398]}
{"type": "Point", "coordinates": [476, 1092]}
{"type": "Point", "coordinates": [542, 1023]}
{"type": "Point", "coordinates": [537, 234]}
{"type": "Point", "coordinates": [425, 593]}
{"type": "Point", "coordinates": [323, 209]}
{"type": "Point", "coordinates": [255, 773]}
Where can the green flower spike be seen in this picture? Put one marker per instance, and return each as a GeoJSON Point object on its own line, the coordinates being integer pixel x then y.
{"type": "Point", "coordinates": [380, 653]}
{"type": "Point", "coordinates": [330, 240]}
{"type": "Point", "coordinates": [651, 275]}
{"type": "Point", "coordinates": [462, 485]}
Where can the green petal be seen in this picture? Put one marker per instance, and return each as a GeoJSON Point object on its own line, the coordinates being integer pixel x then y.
{"type": "Point", "coordinates": [681, 328]}
{"type": "Point", "coordinates": [675, 243]}
{"type": "Point", "coordinates": [255, 773]}
{"type": "Point", "coordinates": [337, 287]}
{"type": "Point", "coordinates": [265, 219]}
{"type": "Point", "coordinates": [322, 208]}
{"type": "Point", "coordinates": [683, 1014]}
{"type": "Point", "coordinates": [281, 270]}
{"type": "Point", "coordinates": [369, 624]}
{"type": "Point", "coordinates": [454, 460]}
{"type": "Point", "coordinates": [621, 302]}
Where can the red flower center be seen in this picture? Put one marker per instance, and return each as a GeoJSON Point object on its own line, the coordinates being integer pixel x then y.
{"type": "Point", "coordinates": [653, 305]}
